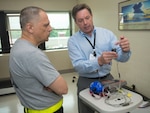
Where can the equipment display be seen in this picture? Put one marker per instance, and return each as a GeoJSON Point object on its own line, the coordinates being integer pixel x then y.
{"type": "Point", "coordinates": [111, 91]}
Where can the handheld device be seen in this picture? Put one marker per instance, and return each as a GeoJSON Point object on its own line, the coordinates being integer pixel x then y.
{"type": "Point", "coordinates": [114, 50]}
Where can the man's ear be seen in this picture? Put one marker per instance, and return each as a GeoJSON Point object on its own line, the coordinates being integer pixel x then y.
{"type": "Point", "coordinates": [29, 27]}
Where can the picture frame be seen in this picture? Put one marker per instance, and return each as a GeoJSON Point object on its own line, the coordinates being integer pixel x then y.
{"type": "Point", "coordinates": [134, 15]}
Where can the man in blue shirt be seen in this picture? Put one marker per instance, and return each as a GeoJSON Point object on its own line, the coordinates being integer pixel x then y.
{"type": "Point", "coordinates": [90, 50]}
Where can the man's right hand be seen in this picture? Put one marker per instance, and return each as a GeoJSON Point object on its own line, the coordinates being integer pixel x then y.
{"type": "Point", "coordinates": [107, 57]}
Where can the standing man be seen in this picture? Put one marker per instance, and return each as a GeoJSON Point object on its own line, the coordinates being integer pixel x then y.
{"type": "Point", "coordinates": [90, 50]}
{"type": "Point", "coordinates": [37, 83]}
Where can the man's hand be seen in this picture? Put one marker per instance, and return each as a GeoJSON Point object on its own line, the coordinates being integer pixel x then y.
{"type": "Point", "coordinates": [124, 44]}
{"type": "Point", "coordinates": [107, 57]}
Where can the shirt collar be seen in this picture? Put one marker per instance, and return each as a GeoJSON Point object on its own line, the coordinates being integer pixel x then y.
{"type": "Point", "coordinates": [84, 34]}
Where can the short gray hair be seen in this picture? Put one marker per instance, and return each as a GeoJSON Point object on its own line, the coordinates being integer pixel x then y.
{"type": "Point", "coordinates": [29, 13]}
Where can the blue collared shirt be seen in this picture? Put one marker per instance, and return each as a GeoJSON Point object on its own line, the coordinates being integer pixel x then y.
{"type": "Point", "coordinates": [80, 49]}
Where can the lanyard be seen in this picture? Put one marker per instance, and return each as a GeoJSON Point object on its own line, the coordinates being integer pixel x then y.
{"type": "Point", "coordinates": [93, 46]}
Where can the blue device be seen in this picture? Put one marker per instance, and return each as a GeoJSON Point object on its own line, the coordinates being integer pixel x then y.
{"type": "Point", "coordinates": [96, 87]}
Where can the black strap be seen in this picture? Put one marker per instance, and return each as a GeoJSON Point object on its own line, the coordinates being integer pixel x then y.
{"type": "Point", "coordinates": [93, 46]}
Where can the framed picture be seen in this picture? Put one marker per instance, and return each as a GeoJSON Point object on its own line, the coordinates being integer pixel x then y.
{"type": "Point", "coordinates": [134, 15]}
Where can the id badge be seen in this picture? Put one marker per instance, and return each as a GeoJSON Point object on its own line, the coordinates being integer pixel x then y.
{"type": "Point", "coordinates": [92, 57]}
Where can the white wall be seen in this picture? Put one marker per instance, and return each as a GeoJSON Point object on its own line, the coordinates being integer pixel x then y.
{"type": "Point", "coordinates": [137, 69]}
{"type": "Point", "coordinates": [50, 5]}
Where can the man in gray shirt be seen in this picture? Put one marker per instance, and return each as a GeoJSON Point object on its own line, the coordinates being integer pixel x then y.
{"type": "Point", "coordinates": [37, 83]}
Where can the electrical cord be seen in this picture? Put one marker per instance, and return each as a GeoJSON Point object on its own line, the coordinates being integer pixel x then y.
{"type": "Point", "coordinates": [119, 76]}
{"type": "Point", "coordinates": [119, 97]}
{"type": "Point", "coordinates": [114, 95]}
{"type": "Point", "coordinates": [96, 96]}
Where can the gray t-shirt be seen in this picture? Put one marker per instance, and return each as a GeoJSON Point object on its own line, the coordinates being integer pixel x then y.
{"type": "Point", "coordinates": [31, 71]}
